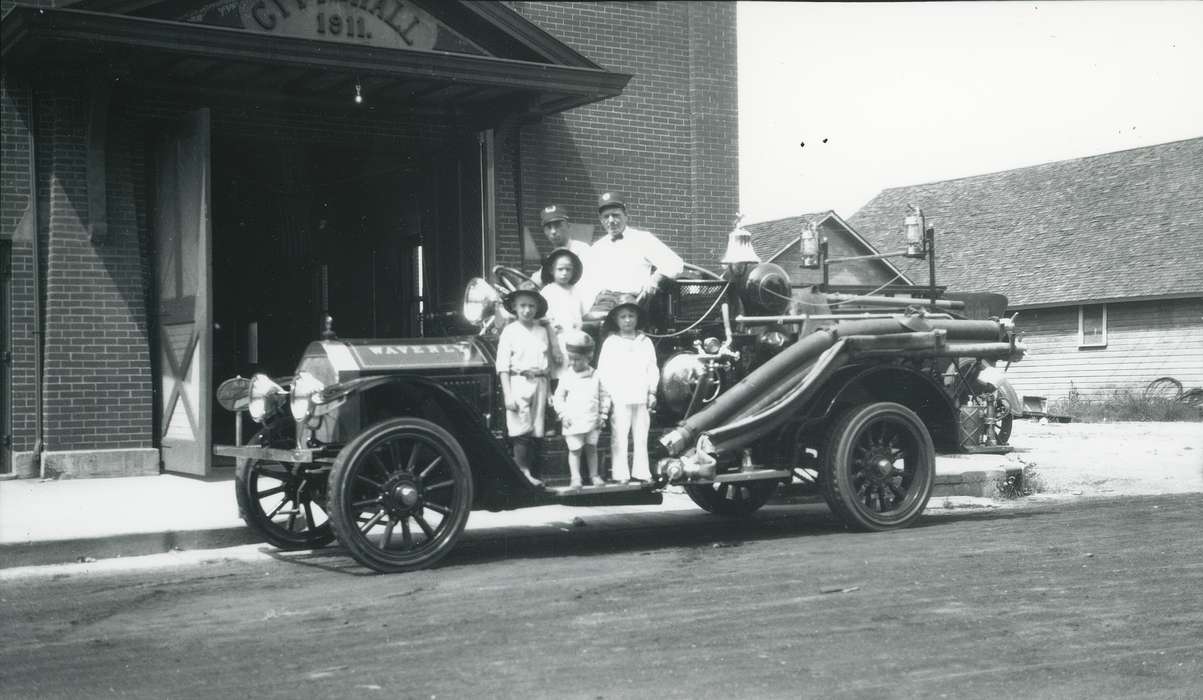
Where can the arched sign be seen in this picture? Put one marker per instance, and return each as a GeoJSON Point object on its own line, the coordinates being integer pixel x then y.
{"type": "Point", "coordinates": [381, 23]}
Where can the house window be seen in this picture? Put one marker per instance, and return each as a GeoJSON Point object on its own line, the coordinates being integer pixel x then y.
{"type": "Point", "coordinates": [1092, 326]}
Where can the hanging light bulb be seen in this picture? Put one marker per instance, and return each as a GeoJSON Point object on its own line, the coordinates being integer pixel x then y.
{"type": "Point", "coordinates": [358, 93]}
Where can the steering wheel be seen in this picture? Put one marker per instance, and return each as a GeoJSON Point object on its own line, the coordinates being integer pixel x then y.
{"type": "Point", "coordinates": [507, 278]}
{"type": "Point", "coordinates": [704, 272]}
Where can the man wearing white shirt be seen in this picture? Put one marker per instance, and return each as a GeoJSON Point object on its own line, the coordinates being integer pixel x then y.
{"type": "Point", "coordinates": [629, 260]}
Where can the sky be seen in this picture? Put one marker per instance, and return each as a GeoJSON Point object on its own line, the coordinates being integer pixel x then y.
{"type": "Point", "coordinates": [838, 101]}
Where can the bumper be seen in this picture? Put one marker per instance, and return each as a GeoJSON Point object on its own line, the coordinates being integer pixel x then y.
{"type": "Point", "coordinates": [274, 454]}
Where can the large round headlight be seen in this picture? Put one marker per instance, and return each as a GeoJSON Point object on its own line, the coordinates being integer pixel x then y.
{"type": "Point", "coordinates": [480, 299]}
{"type": "Point", "coordinates": [303, 386]}
{"type": "Point", "coordinates": [265, 395]}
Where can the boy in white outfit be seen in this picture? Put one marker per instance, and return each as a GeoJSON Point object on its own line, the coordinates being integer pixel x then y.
{"type": "Point", "coordinates": [580, 402]}
{"type": "Point", "coordinates": [629, 376]}
{"type": "Point", "coordinates": [522, 364]}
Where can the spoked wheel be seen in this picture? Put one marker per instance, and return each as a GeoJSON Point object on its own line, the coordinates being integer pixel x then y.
{"type": "Point", "coordinates": [1000, 426]}
{"type": "Point", "coordinates": [283, 502]}
{"type": "Point", "coordinates": [731, 499]}
{"type": "Point", "coordinates": [880, 467]}
{"type": "Point", "coordinates": [400, 494]}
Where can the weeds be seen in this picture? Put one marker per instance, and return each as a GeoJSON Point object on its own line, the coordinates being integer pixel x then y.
{"type": "Point", "coordinates": [1122, 405]}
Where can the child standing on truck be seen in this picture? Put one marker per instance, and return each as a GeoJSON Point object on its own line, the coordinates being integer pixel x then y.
{"type": "Point", "coordinates": [580, 402]}
{"type": "Point", "coordinates": [629, 376]}
{"type": "Point", "coordinates": [523, 359]}
{"type": "Point", "coordinates": [561, 271]}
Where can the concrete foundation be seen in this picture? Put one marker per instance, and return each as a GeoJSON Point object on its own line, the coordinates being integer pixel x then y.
{"type": "Point", "coordinates": [86, 464]}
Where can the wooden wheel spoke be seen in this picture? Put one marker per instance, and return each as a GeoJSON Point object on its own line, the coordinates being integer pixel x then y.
{"type": "Point", "coordinates": [375, 485]}
{"type": "Point", "coordinates": [278, 508]}
{"type": "Point", "coordinates": [371, 523]}
{"type": "Point", "coordinates": [388, 534]}
{"type": "Point", "coordinates": [382, 465]}
{"type": "Point", "coordinates": [424, 525]}
{"type": "Point", "coordinates": [440, 485]}
{"type": "Point", "coordinates": [438, 508]}
{"type": "Point", "coordinates": [270, 492]}
{"type": "Point", "coordinates": [413, 457]}
{"type": "Point", "coordinates": [309, 519]}
{"type": "Point", "coordinates": [366, 503]}
{"type": "Point", "coordinates": [407, 537]}
{"type": "Point", "coordinates": [430, 467]}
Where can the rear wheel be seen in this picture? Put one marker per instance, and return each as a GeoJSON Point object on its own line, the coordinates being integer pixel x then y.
{"type": "Point", "coordinates": [879, 467]}
{"type": "Point", "coordinates": [732, 499]}
{"type": "Point", "coordinates": [283, 502]}
{"type": "Point", "coordinates": [400, 494]}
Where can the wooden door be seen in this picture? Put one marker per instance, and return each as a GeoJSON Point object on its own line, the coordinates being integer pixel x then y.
{"type": "Point", "coordinates": [183, 257]}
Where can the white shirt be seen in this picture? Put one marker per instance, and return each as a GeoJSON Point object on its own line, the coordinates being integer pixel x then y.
{"type": "Point", "coordinates": [564, 311]}
{"type": "Point", "coordinates": [520, 349]}
{"type": "Point", "coordinates": [627, 369]}
{"type": "Point", "coordinates": [624, 265]}
{"type": "Point", "coordinates": [579, 401]}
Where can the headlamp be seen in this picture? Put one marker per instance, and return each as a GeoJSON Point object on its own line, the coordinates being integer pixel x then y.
{"type": "Point", "coordinates": [303, 386]}
{"type": "Point", "coordinates": [480, 301]}
{"type": "Point", "coordinates": [265, 396]}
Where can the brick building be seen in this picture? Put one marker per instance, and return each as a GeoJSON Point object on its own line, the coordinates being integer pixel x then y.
{"type": "Point", "coordinates": [188, 186]}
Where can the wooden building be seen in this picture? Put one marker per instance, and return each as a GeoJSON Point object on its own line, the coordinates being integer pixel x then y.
{"type": "Point", "coordinates": [1101, 256]}
{"type": "Point", "coordinates": [780, 241]}
{"type": "Point", "coordinates": [188, 186]}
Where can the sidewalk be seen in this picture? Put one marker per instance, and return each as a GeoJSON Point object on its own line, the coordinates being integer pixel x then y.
{"type": "Point", "coordinates": [50, 522]}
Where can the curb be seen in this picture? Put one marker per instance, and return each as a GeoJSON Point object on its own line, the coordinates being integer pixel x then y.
{"type": "Point", "coordinates": [994, 483]}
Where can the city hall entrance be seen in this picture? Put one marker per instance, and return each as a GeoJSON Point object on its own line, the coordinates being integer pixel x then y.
{"type": "Point", "coordinates": [383, 242]}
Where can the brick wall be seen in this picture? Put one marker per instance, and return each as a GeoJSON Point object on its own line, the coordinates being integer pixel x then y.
{"type": "Point", "coordinates": [16, 224]}
{"type": "Point", "coordinates": [668, 142]}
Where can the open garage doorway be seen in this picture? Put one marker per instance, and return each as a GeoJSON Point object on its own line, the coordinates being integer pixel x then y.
{"type": "Point", "coordinates": [381, 240]}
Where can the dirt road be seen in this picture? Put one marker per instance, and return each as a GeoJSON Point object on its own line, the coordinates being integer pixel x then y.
{"type": "Point", "coordinates": [1098, 598]}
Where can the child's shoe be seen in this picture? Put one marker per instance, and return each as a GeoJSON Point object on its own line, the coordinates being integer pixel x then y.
{"type": "Point", "coordinates": [597, 481]}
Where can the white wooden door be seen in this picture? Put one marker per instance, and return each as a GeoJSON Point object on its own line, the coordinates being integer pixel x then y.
{"type": "Point", "coordinates": [183, 259]}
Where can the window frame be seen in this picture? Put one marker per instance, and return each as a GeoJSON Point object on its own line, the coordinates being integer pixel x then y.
{"type": "Point", "coordinates": [1082, 343]}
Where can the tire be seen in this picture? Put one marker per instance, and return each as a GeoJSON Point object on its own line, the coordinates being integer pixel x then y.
{"type": "Point", "coordinates": [879, 467]}
{"type": "Point", "coordinates": [284, 503]}
{"type": "Point", "coordinates": [404, 474]}
{"type": "Point", "coordinates": [732, 499]}
{"type": "Point", "coordinates": [1004, 421]}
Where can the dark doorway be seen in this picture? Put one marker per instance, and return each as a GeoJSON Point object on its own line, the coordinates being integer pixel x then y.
{"type": "Point", "coordinates": [383, 241]}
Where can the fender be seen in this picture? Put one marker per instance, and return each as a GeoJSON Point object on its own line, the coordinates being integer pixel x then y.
{"type": "Point", "coordinates": [360, 402]}
{"type": "Point", "coordinates": [858, 384]}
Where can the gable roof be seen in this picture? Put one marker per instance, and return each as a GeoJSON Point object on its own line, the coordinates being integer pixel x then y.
{"type": "Point", "coordinates": [495, 64]}
{"type": "Point", "coordinates": [771, 239]}
{"type": "Point", "coordinates": [1123, 225]}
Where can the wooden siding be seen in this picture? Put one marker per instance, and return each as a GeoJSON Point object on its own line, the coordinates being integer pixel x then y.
{"type": "Point", "coordinates": [1145, 340]}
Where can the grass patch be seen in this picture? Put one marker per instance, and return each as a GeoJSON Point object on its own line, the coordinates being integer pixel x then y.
{"type": "Point", "coordinates": [1123, 405]}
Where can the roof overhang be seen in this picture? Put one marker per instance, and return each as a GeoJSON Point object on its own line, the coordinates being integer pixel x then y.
{"type": "Point", "coordinates": [184, 55]}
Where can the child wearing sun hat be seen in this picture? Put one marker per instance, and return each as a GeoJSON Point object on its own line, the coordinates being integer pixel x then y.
{"type": "Point", "coordinates": [523, 363]}
{"type": "Point", "coordinates": [629, 375]}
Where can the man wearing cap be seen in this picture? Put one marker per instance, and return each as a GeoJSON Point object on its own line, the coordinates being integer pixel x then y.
{"type": "Point", "coordinates": [629, 260]}
{"type": "Point", "coordinates": [555, 227]}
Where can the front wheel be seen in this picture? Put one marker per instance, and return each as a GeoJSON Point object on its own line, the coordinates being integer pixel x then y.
{"type": "Point", "coordinates": [284, 503]}
{"type": "Point", "coordinates": [879, 467]}
{"type": "Point", "coordinates": [400, 494]}
{"type": "Point", "coordinates": [732, 499]}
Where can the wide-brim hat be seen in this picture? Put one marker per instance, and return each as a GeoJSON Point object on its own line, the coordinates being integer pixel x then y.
{"type": "Point", "coordinates": [550, 261]}
{"type": "Point", "coordinates": [626, 301]}
{"type": "Point", "coordinates": [611, 199]}
{"type": "Point", "coordinates": [552, 212]}
{"type": "Point", "coordinates": [525, 290]}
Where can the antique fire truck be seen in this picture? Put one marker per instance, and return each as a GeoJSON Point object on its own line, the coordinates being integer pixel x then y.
{"type": "Point", "coordinates": [388, 445]}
